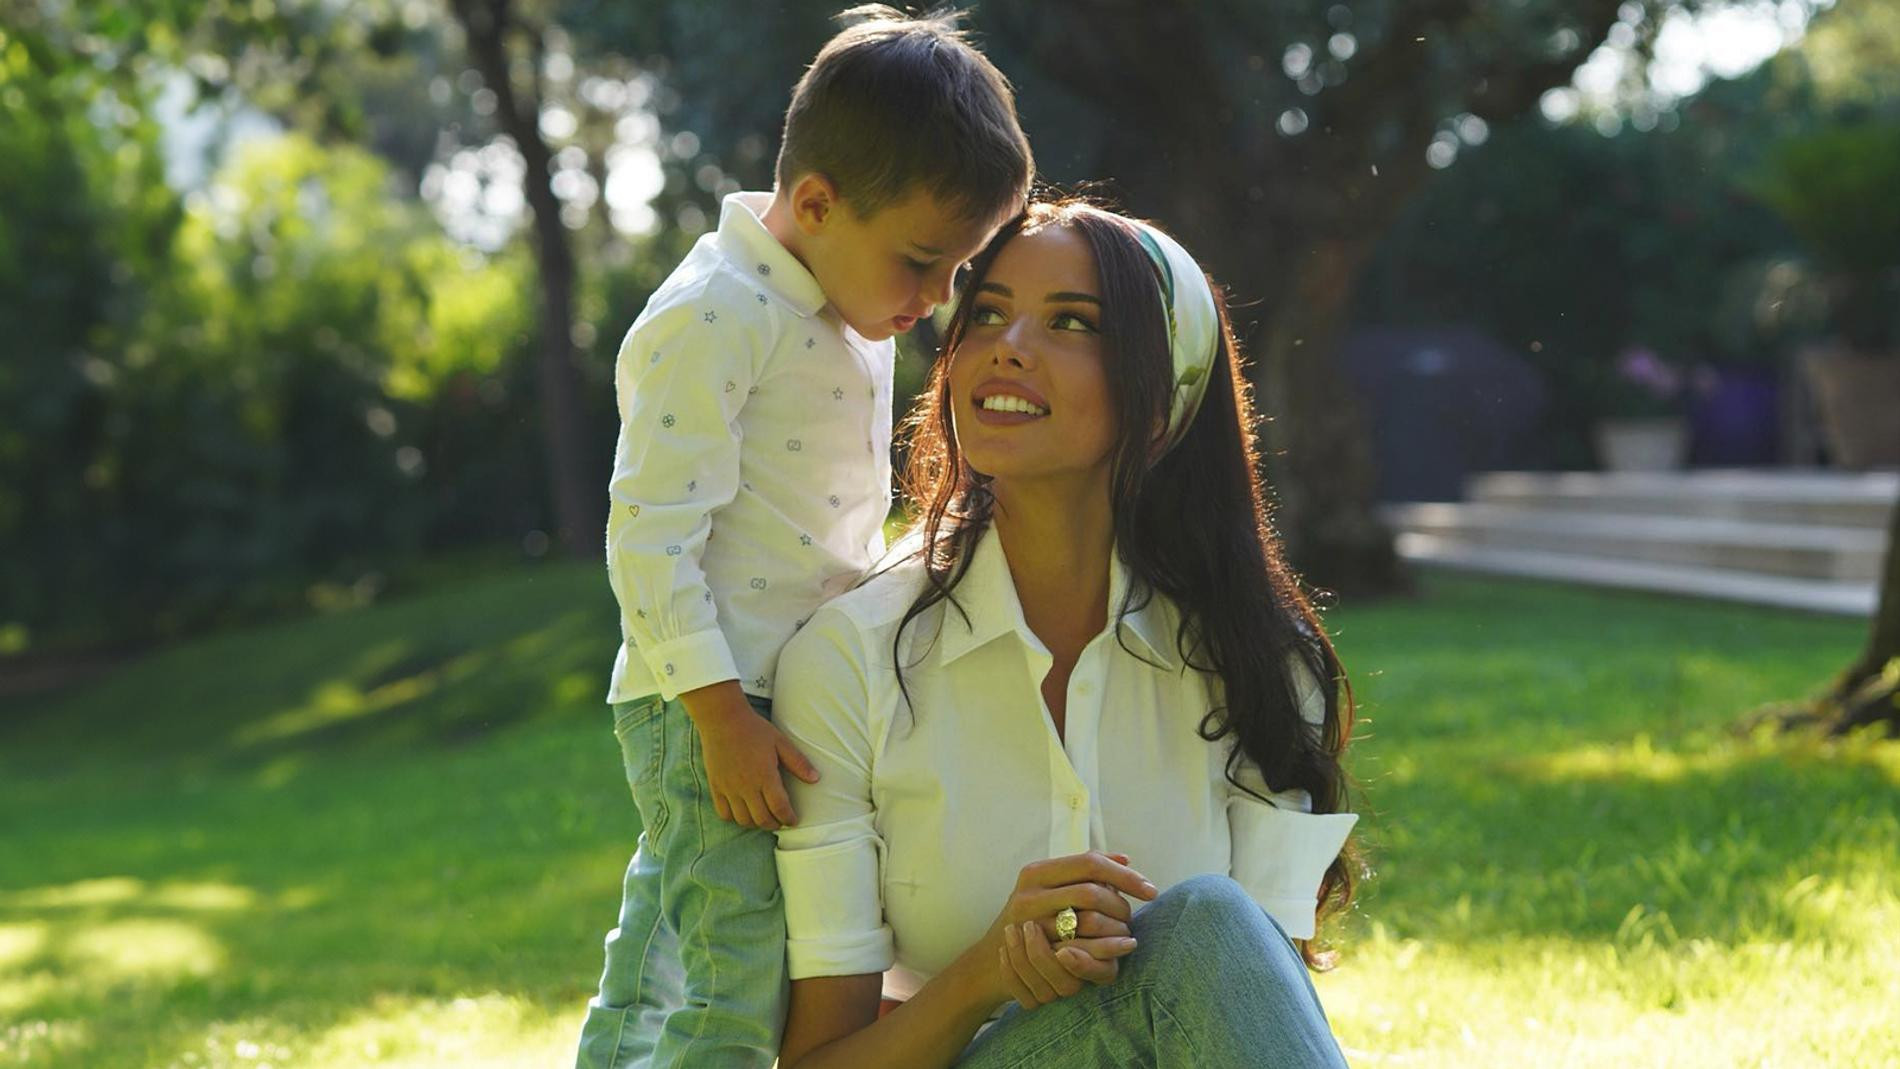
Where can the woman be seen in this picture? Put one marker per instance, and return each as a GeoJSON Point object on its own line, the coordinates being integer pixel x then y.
{"type": "Point", "coordinates": [1093, 679]}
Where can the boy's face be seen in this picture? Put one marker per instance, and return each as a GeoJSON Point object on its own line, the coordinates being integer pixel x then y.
{"type": "Point", "coordinates": [885, 273]}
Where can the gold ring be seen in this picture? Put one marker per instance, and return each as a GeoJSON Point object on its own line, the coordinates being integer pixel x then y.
{"type": "Point", "coordinates": [1065, 924]}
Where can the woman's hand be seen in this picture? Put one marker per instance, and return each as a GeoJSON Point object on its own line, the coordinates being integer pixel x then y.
{"type": "Point", "coordinates": [1034, 971]}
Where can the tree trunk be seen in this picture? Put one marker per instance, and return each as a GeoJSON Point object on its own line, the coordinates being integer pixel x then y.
{"type": "Point", "coordinates": [1319, 449]}
{"type": "Point", "coordinates": [1868, 691]}
{"type": "Point", "coordinates": [579, 507]}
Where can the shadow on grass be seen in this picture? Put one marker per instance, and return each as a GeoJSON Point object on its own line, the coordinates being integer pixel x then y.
{"type": "Point", "coordinates": [436, 669]}
{"type": "Point", "coordinates": [287, 831]}
{"type": "Point", "coordinates": [301, 905]}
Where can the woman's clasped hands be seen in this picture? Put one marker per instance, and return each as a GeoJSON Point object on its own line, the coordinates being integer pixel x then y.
{"type": "Point", "coordinates": [1034, 966]}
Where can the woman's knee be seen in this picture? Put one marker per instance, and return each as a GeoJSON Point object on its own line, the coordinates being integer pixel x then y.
{"type": "Point", "coordinates": [1209, 895]}
{"type": "Point", "coordinates": [1208, 923]}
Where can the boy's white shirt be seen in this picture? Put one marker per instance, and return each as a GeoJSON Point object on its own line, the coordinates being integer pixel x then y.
{"type": "Point", "coordinates": [752, 474]}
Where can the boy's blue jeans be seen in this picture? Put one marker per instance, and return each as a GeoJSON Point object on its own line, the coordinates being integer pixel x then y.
{"type": "Point", "coordinates": [695, 972]}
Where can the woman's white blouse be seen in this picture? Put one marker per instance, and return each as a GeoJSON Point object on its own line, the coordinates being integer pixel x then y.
{"type": "Point", "coordinates": [910, 842]}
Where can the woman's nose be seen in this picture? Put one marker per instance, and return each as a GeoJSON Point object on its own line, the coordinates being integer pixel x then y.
{"type": "Point", "coordinates": [1008, 347]}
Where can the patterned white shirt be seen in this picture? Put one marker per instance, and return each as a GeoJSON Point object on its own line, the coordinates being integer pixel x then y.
{"type": "Point", "coordinates": [912, 838]}
{"type": "Point", "coordinates": [752, 476]}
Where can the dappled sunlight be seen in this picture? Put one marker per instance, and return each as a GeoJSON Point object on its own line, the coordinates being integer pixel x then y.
{"type": "Point", "coordinates": [147, 949]}
{"type": "Point", "coordinates": [1640, 759]}
{"type": "Point", "coordinates": [40, 1042]}
{"type": "Point", "coordinates": [21, 942]}
{"type": "Point", "coordinates": [111, 934]}
{"type": "Point", "coordinates": [400, 678]}
{"type": "Point", "coordinates": [22, 990]}
{"type": "Point", "coordinates": [1855, 909]}
{"type": "Point", "coordinates": [45, 963]}
{"type": "Point", "coordinates": [576, 687]}
{"type": "Point", "coordinates": [1636, 759]}
{"type": "Point", "coordinates": [188, 895]}
{"type": "Point", "coordinates": [205, 896]}
{"type": "Point", "coordinates": [1557, 1000]}
{"type": "Point", "coordinates": [103, 891]}
{"type": "Point", "coordinates": [338, 701]}
{"type": "Point", "coordinates": [484, 1030]}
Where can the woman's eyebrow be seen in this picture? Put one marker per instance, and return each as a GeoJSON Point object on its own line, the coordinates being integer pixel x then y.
{"type": "Point", "coordinates": [1065, 295]}
{"type": "Point", "coordinates": [996, 288]}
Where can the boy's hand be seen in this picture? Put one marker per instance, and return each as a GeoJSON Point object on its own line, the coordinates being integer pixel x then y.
{"type": "Point", "coordinates": [743, 755]}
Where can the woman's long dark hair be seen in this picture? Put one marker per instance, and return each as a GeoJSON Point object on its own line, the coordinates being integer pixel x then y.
{"type": "Point", "coordinates": [1192, 527]}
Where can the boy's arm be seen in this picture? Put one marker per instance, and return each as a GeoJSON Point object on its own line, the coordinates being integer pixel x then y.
{"type": "Point", "coordinates": [676, 462]}
{"type": "Point", "coordinates": [680, 381]}
{"type": "Point", "coordinates": [743, 752]}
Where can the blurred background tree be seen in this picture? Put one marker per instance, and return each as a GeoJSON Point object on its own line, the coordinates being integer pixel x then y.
{"type": "Point", "coordinates": [305, 294]}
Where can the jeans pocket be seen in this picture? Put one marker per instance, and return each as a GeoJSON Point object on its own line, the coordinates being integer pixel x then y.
{"type": "Point", "coordinates": [640, 729]}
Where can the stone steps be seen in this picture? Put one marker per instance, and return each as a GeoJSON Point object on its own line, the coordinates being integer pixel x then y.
{"type": "Point", "coordinates": [1812, 497]}
{"type": "Point", "coordinates": [1799, 539]}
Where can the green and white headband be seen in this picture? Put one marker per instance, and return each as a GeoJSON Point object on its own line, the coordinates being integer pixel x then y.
{"type": "Point", "coordinates": [1193, 326]}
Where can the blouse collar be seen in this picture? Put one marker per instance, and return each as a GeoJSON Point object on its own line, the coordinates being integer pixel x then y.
{"type": "Point", "coordinates": [987, 596]}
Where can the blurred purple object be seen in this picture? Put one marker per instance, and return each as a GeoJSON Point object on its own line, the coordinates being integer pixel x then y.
{"type": "Point", "coordinates": [1642, 367]}
{"type": "Point", "coordinates": [1735, 421]}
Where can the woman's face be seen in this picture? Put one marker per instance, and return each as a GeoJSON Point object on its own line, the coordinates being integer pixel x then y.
{"type": "Point", "coordinates": [1029, 390]}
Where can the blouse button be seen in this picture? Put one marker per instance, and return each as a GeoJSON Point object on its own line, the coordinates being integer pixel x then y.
{"type": "Point", "coordinates": [1075, 801]}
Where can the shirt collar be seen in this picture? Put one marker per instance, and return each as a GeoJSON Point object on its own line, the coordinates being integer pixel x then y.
{"type": "Point", "coordinates": [987, 595]}
{"type": "Point", "coordinates": [745, 240]}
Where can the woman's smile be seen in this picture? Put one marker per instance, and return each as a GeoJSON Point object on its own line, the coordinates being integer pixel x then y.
{"type": "Point", "coordinates": [1000, 403]}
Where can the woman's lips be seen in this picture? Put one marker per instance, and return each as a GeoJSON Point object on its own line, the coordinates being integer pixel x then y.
{"type": "Point", "coordinates": [903, 323]}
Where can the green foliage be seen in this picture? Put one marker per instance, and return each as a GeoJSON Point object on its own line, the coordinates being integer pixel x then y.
{"type": "Point", "coordinates": [1571, 850]}
{"type": "Point", "coordinates": [304, 348]}
{"type": "Point", "coordinates": [1835, 187]}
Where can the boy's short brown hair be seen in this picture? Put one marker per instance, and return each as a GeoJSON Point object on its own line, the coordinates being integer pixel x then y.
{"type": "Point", "coordinates": [895, 103]}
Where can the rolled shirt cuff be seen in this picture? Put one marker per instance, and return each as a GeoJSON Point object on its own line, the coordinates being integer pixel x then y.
{"type": "Point", "coordinates": [690, 662]}
{"type": "Point", "coordinates": [834, 920]}
{"type": "Point", "coordinates": [1280, 856]}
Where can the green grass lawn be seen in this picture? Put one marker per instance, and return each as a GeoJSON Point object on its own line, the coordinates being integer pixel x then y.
{"type": "Point", "coordinates": [394, 837]}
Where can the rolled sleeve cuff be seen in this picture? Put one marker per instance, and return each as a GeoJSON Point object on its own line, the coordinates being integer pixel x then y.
{"type": "Point", "coordinates": [1280, 856]}
{"type": "Point", "coordinates": [833, 918]}
{"type": "Point", "coordinates": [855, 955]}
{"type": "Point", "coordinates": [690, 662]}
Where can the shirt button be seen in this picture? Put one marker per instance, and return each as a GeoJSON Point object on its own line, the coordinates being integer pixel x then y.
{"type": "Point", "coordinates": [1084, 687]}
{"type": "Point", "coordinates": [1075, 801]}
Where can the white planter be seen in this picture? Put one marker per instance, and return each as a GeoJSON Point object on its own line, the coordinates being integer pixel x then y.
{"type": "Point", "coordinates": [1643, 444]}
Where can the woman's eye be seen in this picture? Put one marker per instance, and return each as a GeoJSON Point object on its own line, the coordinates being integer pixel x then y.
{"type": "Point", "coordinates": [920, 268]}
{"type": "Point", "coordinates": [986, 316]}
{"type": "Point", "coordinates": [1071, 321]}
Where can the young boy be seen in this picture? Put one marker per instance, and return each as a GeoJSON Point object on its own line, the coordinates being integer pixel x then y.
{"type": "Point", "coordinates": [751, 484]}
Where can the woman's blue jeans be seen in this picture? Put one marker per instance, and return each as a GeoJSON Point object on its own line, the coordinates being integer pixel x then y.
{"type": "Point", "coordinates": [1213, 984]}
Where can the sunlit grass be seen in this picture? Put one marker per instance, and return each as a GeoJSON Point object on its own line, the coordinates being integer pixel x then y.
{"type": "Point", "coordinates": [1580, 862]}
{"type": "Point", "coordinates": [394, 837]}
